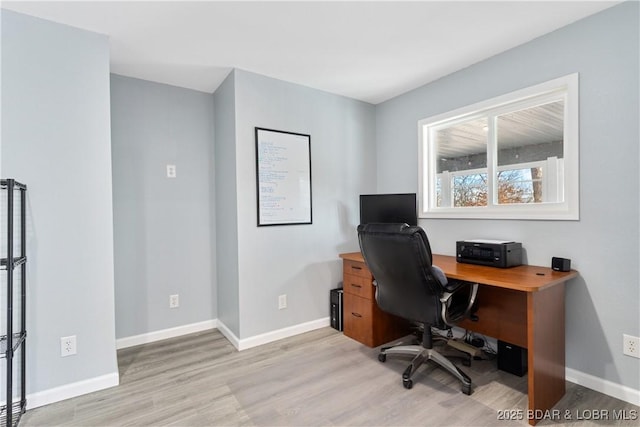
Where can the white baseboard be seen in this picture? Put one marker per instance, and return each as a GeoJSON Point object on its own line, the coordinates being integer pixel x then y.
{"type": "Point", "coordinates": [609, 388]}
{"type": "Point", "coordinates": [165, 333]}
{"type": "Point", "coordinates": [230, 336]}
{"type": "Point", "coordinates": [68, 391]}
{"type": "Point", "coordinates": [245, 343]}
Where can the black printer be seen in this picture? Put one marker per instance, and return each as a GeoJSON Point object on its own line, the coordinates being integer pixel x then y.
{"type": "Point", "coordinates": [494, 253]}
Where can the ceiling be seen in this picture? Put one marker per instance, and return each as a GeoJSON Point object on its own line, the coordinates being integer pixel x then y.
{"type": "Point", "coordinates": [371, 51]}
{"type": "Point", "coordinates": [539, 125]}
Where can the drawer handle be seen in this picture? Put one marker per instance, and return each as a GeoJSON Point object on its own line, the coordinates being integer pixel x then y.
{"type": "Point", "coordinates": [356, 268]}
{"type": "Point", "coordinates": [356, 286]}
{"type": "Point", "coordinates": [356, 314]}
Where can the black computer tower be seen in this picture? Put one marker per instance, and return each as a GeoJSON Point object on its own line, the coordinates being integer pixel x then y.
{"type": "Point", "coordinates": [335, 308]}
{"type": "Point", "coordinates": [512, 358]}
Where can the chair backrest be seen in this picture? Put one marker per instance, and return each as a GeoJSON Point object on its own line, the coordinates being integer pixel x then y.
{"type": "Point", "coordinates": [399, 257]}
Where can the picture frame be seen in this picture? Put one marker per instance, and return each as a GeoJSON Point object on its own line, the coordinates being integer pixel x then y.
{"type": "Point", "coordinates": [283, 177]}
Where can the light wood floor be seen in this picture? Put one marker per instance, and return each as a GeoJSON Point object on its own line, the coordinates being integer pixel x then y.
{"type": "Point", "coordinates": [320, 378]}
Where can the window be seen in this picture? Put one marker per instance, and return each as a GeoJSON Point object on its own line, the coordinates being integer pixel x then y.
{"type": "Point", "coordinates": [514, 156]}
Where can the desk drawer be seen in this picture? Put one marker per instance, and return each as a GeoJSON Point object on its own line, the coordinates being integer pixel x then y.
{"type": "Point", "coordinates": [358, 285]}
{"type": "Point", "coordinates": [366, 323]}
{"type": "Point", "coordinates": [356, 269]}
{"type": "Point", "coordinates": [358, 318]}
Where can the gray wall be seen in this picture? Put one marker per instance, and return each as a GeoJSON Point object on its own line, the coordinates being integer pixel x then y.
{"type": "Point", "coordinates": [602, 303]}
{"type": "Point", "coordinates": [226, 201]}
{"type": "Point", "coordinates": [299, 260]}
{"type": "Point", "coordinates": [162, 225]}
{"type": "Point", "coordinates": [56, 139]}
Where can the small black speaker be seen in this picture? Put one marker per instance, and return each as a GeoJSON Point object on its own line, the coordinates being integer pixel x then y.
{"type": "Point", "coordinates": [560, 264]}
{"type": "Point", "coordinates": [335, 308]}
{"type": "Point", "coordinates": [512, 358]}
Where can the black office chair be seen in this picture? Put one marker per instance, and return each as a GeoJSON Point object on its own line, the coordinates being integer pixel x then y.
{"type": "Point", "coordinates": [408, 286]}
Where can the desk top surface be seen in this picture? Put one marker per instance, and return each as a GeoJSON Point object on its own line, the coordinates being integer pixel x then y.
{"type": "Point", "coordinates": [527, 278]}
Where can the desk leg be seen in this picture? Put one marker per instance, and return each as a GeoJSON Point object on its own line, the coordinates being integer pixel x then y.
{"type": "Point", "coordinates": [546, 353]}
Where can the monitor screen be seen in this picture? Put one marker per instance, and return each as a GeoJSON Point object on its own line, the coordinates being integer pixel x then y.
{"type": "Point", "coordinates": [394, 208]}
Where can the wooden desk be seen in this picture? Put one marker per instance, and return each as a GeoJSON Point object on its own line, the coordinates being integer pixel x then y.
{"type": "Point", "coordinates": [524, 306]}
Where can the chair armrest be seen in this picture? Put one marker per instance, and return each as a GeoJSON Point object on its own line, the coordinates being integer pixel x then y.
{"type": "Point", "coordinates": [456, 304]}
{"type": "Point", "coordinates": [440, 276]}
{"type": "Point", "coordinates": [454, 285]}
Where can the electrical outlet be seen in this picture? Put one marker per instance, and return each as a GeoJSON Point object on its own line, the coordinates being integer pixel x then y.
{"type": "Point", "coordinates": [171, 171]}
{"type": "Point", "coordinates": [631, 345]}
{"type": "Point", "coordinates": [282, 302]}
{"type": "Point", "coordinates": [174, 301]}
{"type": "Point", "coordinates": [68, 346]}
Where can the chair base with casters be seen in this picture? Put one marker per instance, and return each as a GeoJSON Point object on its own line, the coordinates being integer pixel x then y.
{"type": "Point", "coordinates": [423, 353]}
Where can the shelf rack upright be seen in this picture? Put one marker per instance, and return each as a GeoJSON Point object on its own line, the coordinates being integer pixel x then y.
{"type": "Point", "coordinates": [12, 336]}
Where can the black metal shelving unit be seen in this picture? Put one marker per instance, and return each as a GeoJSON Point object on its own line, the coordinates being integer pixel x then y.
{"type": "Point", "coordinates": [13, 299]}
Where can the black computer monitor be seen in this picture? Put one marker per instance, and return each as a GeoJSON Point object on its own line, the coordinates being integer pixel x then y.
{"type": "Point", "coordinates": [388, 208]}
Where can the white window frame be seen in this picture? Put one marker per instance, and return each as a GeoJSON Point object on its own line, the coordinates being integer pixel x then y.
{"type": "Point", "coordinates": [565, 88]}
{"type": "Point", "coordinates": [551, 180]}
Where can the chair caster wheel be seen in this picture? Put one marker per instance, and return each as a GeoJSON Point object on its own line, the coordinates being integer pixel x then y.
{"type": "Point", "coordinates": [466, 389]}
{"type": "Point", "coordinates": [382, 357]}
{"type": "Point", "coordinates": [408, 384]}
